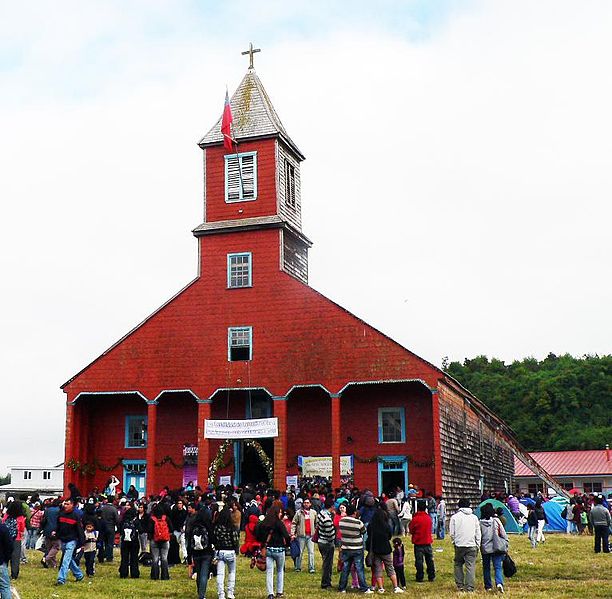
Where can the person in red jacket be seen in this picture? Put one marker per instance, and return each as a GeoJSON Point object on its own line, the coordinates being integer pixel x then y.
{"type": "Point", "coordinates": [420, 529]}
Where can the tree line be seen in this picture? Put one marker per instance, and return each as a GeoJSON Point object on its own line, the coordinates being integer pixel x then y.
{"type": "Point", "coordinates": [559, 403]}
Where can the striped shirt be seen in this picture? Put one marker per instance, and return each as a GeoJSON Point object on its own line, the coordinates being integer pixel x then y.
{"type": "Point", "coordinates": [352, 531]}
{"type": "Point", "coordinates": [325, 527]}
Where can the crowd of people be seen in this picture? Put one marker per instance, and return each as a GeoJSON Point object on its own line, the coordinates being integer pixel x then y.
{"type": "Point", "coordinates": [201, 529]}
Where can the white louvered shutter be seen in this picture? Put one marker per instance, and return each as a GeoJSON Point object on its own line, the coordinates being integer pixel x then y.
{"type": "Point", "coordinates": [234, 177]}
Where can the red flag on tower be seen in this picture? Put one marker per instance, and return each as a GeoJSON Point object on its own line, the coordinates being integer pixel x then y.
{"type": "Point", "coordinates": [226, 124]}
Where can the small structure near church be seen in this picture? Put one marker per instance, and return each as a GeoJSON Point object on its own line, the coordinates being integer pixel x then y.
{"type": "Point", "coordinates": [258, 374]}
{"type": "Point", "coordinates": [47, 481]}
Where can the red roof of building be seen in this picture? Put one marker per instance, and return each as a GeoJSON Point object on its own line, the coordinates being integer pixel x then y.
{"type": "Point", "coordinates": [563, 463]}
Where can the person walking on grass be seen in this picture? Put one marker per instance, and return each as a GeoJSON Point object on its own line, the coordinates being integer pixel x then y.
{"type": "Point", "coordinates": [420, 529]}
{"type": "Point", "coordinates": [542, 521]}
{"type": "Point", "coordinates": [200, 542]}
{"type": "Point", "coordinates": [273, 535]}
{"type": "Point", "coordinates": [326, 533]}
{"type": "Point", "coordinates": [227, 544]}
{"type": "Point", "coordinates": [6, 550]}
{"type": "Point", "coordinates": [464, 530]}
{"type": "Point", "coordinates": [70, 533]}
{"type": "Point", "coordinates": [493, 546]}
{"type": "Point", "coordinates": [15, 521]}
{"type": "Point", "coordinates": [129, 529]}
{"type": "Point", "coordinates": [303, 528]}
{"type": "Point", "coordinates": [532, 523]}
{"type": "Point", "coordinates": [600, 519]}
{"type": "Point", "coordinates": [351, 531]}
{"type": "Point", "coordinates": [160, 530]}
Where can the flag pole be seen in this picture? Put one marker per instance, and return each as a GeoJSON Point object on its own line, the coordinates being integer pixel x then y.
{"type": "Point", "coordinates": [239, 164]}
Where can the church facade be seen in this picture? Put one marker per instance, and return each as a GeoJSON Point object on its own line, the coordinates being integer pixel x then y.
{"type": "Point", "coordinates": [248, 338]}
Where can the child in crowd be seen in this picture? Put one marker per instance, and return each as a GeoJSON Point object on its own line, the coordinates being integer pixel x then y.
{"type": "Point", "coordinates": [89, 549]}
{"type": "Point", "coordinates": [398, 562]}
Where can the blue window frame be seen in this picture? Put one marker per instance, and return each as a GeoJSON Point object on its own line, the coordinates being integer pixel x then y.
{"type": "Point", "coordinates": [135, 431]}
{"type": "Point", "coordinates": [241, 177]}
{"type": "Point", "coordinates": [239, 344]}
{"type": "Point", "coordinates": [391, 425]}
{"type": "Point", "coordinates": [239, 270]}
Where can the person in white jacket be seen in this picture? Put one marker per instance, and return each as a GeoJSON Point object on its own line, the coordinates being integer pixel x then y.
{"type": "Point", "coordinates": [464, 530]}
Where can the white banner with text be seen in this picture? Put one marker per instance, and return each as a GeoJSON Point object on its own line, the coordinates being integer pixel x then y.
{"type": "Point", "coordinates": [256, 428]}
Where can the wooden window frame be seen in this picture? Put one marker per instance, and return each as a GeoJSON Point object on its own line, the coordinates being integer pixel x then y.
{"type": "Point", "coordinates": [230, 331]}
{"type": "Point", "coordinates": [290, 186]}
{"type": "Point", "coordinates": [240, 157]}
{"type": "Point", "coordinates": [229, 270]}
{"type": "Point", "coordinates": [402, 412]}
{"type": "Point", "coordinates": [128, 419]}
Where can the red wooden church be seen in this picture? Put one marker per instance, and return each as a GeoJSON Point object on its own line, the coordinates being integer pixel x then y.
{"type": "Point", "coordinates": [248, 338]}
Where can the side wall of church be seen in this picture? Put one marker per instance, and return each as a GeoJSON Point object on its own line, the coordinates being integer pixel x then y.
{"type": "Point", "coordinates": [474, 457]}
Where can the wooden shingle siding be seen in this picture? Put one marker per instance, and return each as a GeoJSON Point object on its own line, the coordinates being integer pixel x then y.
{"type": "Point", "coordinates": [292, 214]}
{"type": "Point", "coordinates": [295, 257]}
{"type": "Point", "coordinates": [470, 449]}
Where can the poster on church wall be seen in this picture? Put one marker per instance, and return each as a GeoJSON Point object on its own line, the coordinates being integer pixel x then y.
{"type": "Point", "coordinates": [322, 465]}
{"type": "Point", "coordinates": [190, 464]}
{"type": "Point", "coordinates": [256, 428]}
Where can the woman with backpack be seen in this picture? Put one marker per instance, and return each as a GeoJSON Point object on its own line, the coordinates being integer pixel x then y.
{"type": "Point", "coordinates": [227, 542]}
{"type": "Point", "coordinates": [493, 546]}
{"type": "Point", "coordinates": [273, 535]}
{"type": "Point", "coordinates": [129, 531]}
{"type": "Point", "coordinates": [159, 531]}
{"type": "Point", "coordinates": [15, 521]}
{"type": "Point", "coordinates": [199, 542]}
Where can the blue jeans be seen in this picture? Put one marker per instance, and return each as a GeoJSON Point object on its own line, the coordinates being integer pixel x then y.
{"type": "Point", "coordinates": [441, 532]}
{"type": "Point", "coordinates": [226, 559]}
{"type": "Point", "coordinates": [350, 557]}
{"type": "Point", "coordinates": [434, 522]}
{"type": "Point", "coordinates": [275, 555]}
{"type": "Point", "coordinates": [306, 542]}
{"type": "Point", "coordinates": [68, 563]}
{"type": "Point", "coordinates": [5, 582]}
{"type": "Point", "coordinates": [497, 559]}
{"type": "Point", "coordinates": [201, 564]}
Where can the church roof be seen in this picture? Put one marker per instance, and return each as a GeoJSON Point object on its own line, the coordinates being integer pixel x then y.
{"type": "Point", "coordinates": [253, 115]}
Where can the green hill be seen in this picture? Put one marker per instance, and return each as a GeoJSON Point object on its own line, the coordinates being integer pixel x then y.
{"type": "Point", "coordinates": [560, 403]}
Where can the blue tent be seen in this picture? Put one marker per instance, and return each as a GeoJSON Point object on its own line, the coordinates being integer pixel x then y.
{"type": "Point", "coordinates": [556, 523]}
{"type": "Point", "coordinates": [511, 525]}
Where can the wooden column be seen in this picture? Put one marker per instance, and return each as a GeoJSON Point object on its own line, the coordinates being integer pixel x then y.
{"type": "Point", "coordinates": [204, 413]}
{"type": "Point", "coordinates": [336, 439]}
{"type": "Point", "coordinates": [435, 418]}
{"type": "Point", "coordinates": [69, 474]}
{"type": "Point", "coordinates": [151, 445]}
{"type": "Point", "coordinates": [280, 443]}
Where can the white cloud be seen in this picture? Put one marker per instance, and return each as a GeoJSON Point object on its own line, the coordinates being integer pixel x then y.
{"type": "Point", "coordinates": [456, 187]}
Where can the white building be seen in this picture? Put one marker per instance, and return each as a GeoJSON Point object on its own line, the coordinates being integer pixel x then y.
{"type": "Point", "coordinates": [47, 481]}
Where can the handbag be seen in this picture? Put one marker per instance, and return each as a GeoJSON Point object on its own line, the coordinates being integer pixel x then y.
{"type": "Point", "coordinates": [500, 545]}
{"type": "Point", "coordinates": [40, 543]}
{"type": "Point", "coordinates": [508, 566]}
{"type": "Point", "coordinates": [259, 559]}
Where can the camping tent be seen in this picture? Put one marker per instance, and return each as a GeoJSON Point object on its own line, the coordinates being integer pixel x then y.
{"type": "Point", "coordinates": [556, 522]}
{"type": "Point", "coordinates": [562, 501]}
{"type": "Point", "coordinates": [511, 525]}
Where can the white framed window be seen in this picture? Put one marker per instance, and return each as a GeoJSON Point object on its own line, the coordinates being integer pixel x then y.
{"type": "Point", "coordinates": [391, 425]}
{"type": "Point", "coordinates": [239, 270]}
{"type": "Point", "coordinates": [27, 475]}
{"type": "Point", "coordinates": [289, 184]}
{"type": "Point", "coordinates": [239, 344]}
{"type": "Point", "coordinates": [46, 475]}
{"type": "Point", "coordinates": [241, 177]}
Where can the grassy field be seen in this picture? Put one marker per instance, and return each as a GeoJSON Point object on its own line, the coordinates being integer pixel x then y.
{"type": "Point", "coordinates": [562, 567]}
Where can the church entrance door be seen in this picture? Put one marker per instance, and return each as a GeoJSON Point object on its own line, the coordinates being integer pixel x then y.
{"type": "Point", "coordinates": [251, 467]}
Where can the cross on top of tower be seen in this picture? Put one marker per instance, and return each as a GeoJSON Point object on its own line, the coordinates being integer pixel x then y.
{"type": "Point", "coordinates": [250, 52]}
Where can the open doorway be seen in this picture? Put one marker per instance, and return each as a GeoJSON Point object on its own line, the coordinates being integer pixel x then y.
{"type": "Point", "coordinates": [392, 473]}
{"type": "Point", "coordinates": [252, 469]}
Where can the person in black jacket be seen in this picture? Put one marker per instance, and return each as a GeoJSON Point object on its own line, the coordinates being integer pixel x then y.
{"type": "Point", "coordinates": [227, 544]}
{"type": "Point", "coordinates": [6, 550]}
{"type": "Point", "coordinates": [200, 542]}
{"type": "Point", "coordinates": [129, 530]}
{"type": "Point", "coordinates": [272, 533]}
{"type": "Point", "coordinates": [70, 532]}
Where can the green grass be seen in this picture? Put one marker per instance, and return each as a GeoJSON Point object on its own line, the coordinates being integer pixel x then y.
{"type": "Point", "coordinates": [562, 567]}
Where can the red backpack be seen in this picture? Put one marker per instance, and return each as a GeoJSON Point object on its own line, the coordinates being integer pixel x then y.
{"type": "Point", "coordinates": [161, 532]}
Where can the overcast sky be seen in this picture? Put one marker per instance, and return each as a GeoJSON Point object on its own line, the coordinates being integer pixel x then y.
{"type": "Point", "coordinates": [457, 184]}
